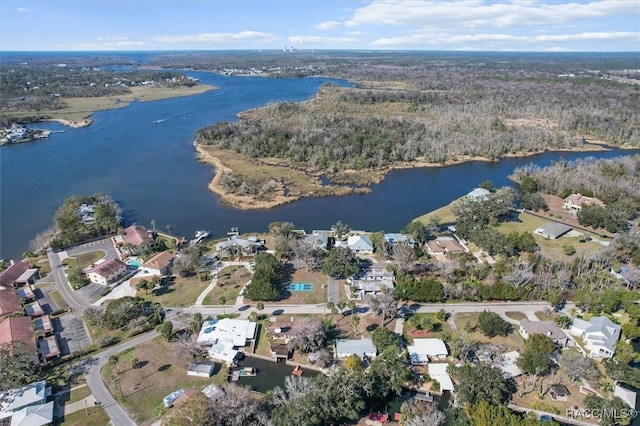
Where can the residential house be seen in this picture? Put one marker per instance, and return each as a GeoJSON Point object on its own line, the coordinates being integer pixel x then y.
{"type": "Point", "coordinates": [599, 334]}
{"type": "Point", "coordinates": [575, 202]}
{"type": "Point", "coordinates": [508, 365]}
{"type": "Point", "coordinates": [364, 348]}
{"type": "Point", "coordinates": [478, 194]}
{"type": "Point", "coordinates": [136, 236]}
{"type": "Point", "coordinates": [236, 246]}
{"type": "Point", "coordinates": [107, 271]}
{"type": "Point", "coordinates": [358, 244]}
{"type": "Point", "coordinates": [27, 406]}
{"type": "Point", "coordinates": [559, 392]}
{"type": "Point", "coordinates": [372, 280]}
{"type": "Point", "coordinates": [43, 326]}
{"type": "Point", "coordinates": [321, 238]}
{"type": "Point", "coordinates": [12, 273]}
{"type": "Point", "coordinates": [548, 328]}
{"type": "Point", "coordinates": [201, 369]}
{"type": "Point", "coordinates": [445, 244]}
{"type": "Point", "coordinates": [160, 264]}
{"type": "Point", "coordinates": [553, 230]}
{"type": "Point", "coordinates": [9, 303]}
{"type": "Point", "coordinates": [33, 309]}
{"type": "Point", "coordinates": [394, 238]}
{"type": "Point", "coordinates": [631, 277]}
{"type": "Point", "coordinates": [225, 336]}
{"type": "Point", "coordinates": [424, 350]}
{"type": "Point", "coordinates": [25, 293]}
{"type": "Point", "coordinates": [282, 329]}
{"type": "Point", "coordinates": [18, 329]}
{"type": "Point", "coordinates": [438, 371]}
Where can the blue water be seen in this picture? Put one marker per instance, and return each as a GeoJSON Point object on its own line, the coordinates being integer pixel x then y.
{"type": "Point", "coordinates": [151, 171]}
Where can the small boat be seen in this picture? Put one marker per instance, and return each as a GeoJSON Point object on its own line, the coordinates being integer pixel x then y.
{"type": "Point", "coordinates": [200, 235]}
{"type": "Point", "coordinates": [248, 372]}
{"type": "Point", "coordinates": [298, 371]}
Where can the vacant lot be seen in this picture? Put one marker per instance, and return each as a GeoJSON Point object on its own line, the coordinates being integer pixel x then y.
{"type": "Point", "coordinates": [177, 291]}
{"type": "Point", "coordinates": [85, 259]}
{"type": "Point", "coordinates": [230, 282]}
{"type": "Point", "coordinates": [445, 215]}
{"type": "Point", "coordinates": [141, 390]}
{"type": "Point", "coordinates": [315, 296]}
{"type": "Point", "coordinates": [513, 340]}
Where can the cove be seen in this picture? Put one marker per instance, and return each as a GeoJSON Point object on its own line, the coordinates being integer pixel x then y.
{"type": "Point", "coordinates": [150, 169]}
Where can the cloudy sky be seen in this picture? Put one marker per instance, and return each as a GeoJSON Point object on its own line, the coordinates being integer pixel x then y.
{"type": "Point", "coordinates": [520, 25]}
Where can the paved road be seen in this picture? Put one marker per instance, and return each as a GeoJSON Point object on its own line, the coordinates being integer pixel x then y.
{"type": "Point", "coordinates": [74, 300]}
{"type": "Point", "coordinates": [118, 416]}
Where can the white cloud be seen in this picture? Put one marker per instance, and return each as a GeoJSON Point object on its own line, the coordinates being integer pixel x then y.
{"type": "Point", "coordinates": [327, 25]}
{"type": "Point", "coordinates": [440, 39]}
{"type": "Point", "coordinates": [356, 33]}
{"type": "Point", "coordinates": [23, 10]}
{"type": "Point", "coordinates": [102, 45]}
{"type": "Point", "coordinates": [481, 13]}
{"type": "Point", "coordinates": [219, 38]}
{"type": "Point", "coordinates": [321, 40]}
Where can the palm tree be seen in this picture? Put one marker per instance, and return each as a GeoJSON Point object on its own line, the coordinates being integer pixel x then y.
{"type": "Point", "coordinates": [355, 322]}
{"type": "Point", "coordinates": [29, 255]}
{"type": "Point", "coordinates": [143, 284]}
{"type": "Point", "coordinates": [153, 225]}
{"type": "Point", "coordinates": [169, 227]}
{"type": "Point", "coordinates": [222, 300]}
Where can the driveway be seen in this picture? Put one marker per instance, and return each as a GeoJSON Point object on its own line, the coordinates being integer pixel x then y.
{"type": "Point", "coordinates": [333, 290]}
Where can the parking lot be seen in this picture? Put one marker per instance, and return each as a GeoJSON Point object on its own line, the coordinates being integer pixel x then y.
{"type": "Point", "coordinates": [72, 334]}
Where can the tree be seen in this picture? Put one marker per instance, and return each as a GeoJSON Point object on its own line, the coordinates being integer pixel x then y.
{"type": "Point", "coordinates": [264, 284]}
{"type": "Point", "coordinates": [309, 336]}
{"type": "Point", "coordinates": [341, 263]}
{"type": "Point", "coordinates": [29, 255]}
{"type": "Point", "coordinates": [197, 410]}
{"type": "Point", "coordinates": [405, 255]}
{"type": "Point", "coordinates": [481, 382]}
{"type": "Point", "coordinates": [165, 330]}
{"type": "Point", "coordinates": [417, 230]}
{"type": "Point", "coordinates": [383, 337]}
{"type": "Point", "coordinates": [341, 305]}
{"type": "Point", "coordinates": [121, 311]}
{"type": "Point", "coordinates": [617, 410]}
{"type": "Point", "coordinates": [416, 413]}
{"type": "Point", "coordinates": [351, 304]}
{"type": "Point", "coordinates": [77, 278]}
{"type": "Point", "coordinates": [577, 367]}
{"type": "Point", "coordinates": [387, 374]}
{"type": "Point", "coordinates": [353, 363]}
{"type": "Point", "coordinates": [492, 324]}
{"type": "Point", "coordinates": [17, 365]}
{"type": "Point", "coordinates": [485, 414]}
{"type": "Point", "coordinates": [536, 356]}
{"type": "Point", "coordinates": [385, 304]}
{"type": "Point", "coordinates": [143, 284]}
{"type": "Point", "coordinates": [340, 229]}
{"type": "Point", "coordinates": [260, 307]}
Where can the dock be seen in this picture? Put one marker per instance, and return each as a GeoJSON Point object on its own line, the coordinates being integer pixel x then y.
{"type": "Point", "coordinates": [235, 376]}
{"type": "Point", "coordinates": [298, 371]}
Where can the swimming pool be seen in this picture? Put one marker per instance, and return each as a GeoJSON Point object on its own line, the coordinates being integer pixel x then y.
{"type": "Point", "coordinates": [300, 287]}
{"type": "Point", "coordinates": [133, 261]}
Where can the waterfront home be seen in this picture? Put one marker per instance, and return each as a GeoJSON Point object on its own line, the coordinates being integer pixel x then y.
{"type": "Point", "coordinates": [359, 244]}
{"type": "Point", "coordinates": [444, 245]}
{"type": "Point", "coordinates": [15, 270]}
{"type": "Point", "coordinates": [9, 303]}
{"type": "Point", "coordinates": [395, 238]}
{"type": "Point", "coordinates": [438, 371]}
{"type": "Point", "coordinates": [28, 277]}
{"type": "Point", "coordinates": [599, 334]}
{"type": "Point", "coordinates": [320, 238]}
{"type": "Point", "coordinates": [575, 202]}
{"type": "Point", "coordinates": [160, 264]}
{"type": "Point", "coordinates": [373, 280]}
{"type": "Point", "coordinates": [364, 348]}
{"type": "Point", "coordinates": [478, 194]}
{"type": "Point", "coordinates": [236, 246]}
{"type": "Point", "coordinates": [225, 337]}
{"type": "Point", "coordinates": [553, 230]}
{"type": "Point", "coordinates": [424, 350]}
{"type": "Point", "coordinates": [107, 271]}
{"type": "Point", "coordinates": [548, 328]}
{"type": "Point", "coordinates": [27, 406]}
{"type": "Point", "coordinates": [135, 236]}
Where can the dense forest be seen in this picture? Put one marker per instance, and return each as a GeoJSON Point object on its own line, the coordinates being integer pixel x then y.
{"type": "Point", "coordinates": [438, 111]}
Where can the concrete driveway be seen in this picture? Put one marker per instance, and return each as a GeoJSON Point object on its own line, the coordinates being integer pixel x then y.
{"type": "Point", "coordinates": [72, 333]}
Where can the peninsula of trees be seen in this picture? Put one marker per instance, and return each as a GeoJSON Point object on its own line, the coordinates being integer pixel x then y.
{"type": "Point", "coordinates": [419, 113]}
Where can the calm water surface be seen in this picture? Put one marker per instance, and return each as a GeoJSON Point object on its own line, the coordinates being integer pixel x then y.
{"type": "Point", "coordinates": [150, 170]}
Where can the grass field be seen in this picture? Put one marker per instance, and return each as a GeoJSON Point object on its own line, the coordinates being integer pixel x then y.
{"type": "Point", "coordinates": [58, 299]}
{"type": "Point", "coordinates": [516, 315]}
{"type": "Point", "coordinates": [141, 390]}
{"type": "Point", "coordinates": [93, 416]}
{"type": "Point", "coordinates": [178, 292]}
{"type": "Point", "coordinates": [445, 214]}
{"type": "Point", "coordinates": [85, 259]}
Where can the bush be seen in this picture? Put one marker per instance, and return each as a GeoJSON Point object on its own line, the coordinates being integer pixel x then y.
{"type": "Point", "coordinates": [58, 312]}
{"type": "Point", "coordinates": [105, 292]}
{"type": "Point", "coordinates": [569, 250]}
{"type": "Point", "coordinates": [543, 406]}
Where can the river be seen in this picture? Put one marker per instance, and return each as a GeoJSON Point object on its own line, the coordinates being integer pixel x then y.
{"type": "Point", "coordinates": [150, 169]}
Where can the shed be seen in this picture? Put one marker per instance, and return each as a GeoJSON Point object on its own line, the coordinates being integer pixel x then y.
{"type": "Point", "coordinates": [438, 371]}
{"type": "Point", "coordinates": [201, 369]}
{"type": "Point", "coordinates": [171, 398]}
{"type": "Point", "coordinates": [559, 392]}
{"type": "Point", "coordinates": [361, 347]}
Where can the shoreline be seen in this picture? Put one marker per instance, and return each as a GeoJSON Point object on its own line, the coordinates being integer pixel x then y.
{"type": "Point", "coordinates": [245, 202]}
{"type": "Point", "coordinates": [76, 124]}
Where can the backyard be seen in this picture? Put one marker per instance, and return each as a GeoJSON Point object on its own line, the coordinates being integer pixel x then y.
{"type": "Point", "coordinates": [317, 292]}
{"type": "Point", "coordinates": [176, 291]}
{"type": "Point", "coordinates": [513, 340]}
{"type": "Point", "coordinates": [141, 390]}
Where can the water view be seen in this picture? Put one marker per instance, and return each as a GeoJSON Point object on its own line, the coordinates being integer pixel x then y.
{"type": "Point", "coordinates": [143, 156]}
{"type": "Point", "coordinates": [269, 374]}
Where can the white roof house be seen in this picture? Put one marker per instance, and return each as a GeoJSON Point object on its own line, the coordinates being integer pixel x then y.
{"type": "Point", "coordinates": [424, 349]}
{"type": "Point", "coordinates": [358, 244]}
{"type": "Point", "coordinates": [600, 335]}
{"type": "Point", "coordinates": [27, 405]}
{"type": "Point", "coordinates": [479, 194]}
{"type": "Point", "coordinates": [361, 347]}
{"type": "Point", "coordinates": [234, 331]}
{"type": "Point", "coordinates": [438, 371]}
{"type": "Point", "coordinates": [508, 365]}
{"type": "Point", "coordinates": [394, 238]}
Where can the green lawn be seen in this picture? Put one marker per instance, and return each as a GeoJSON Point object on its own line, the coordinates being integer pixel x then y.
{"type": "Point", "coordinates": [445, 214]}
{"type": "Point", "coordinates": [230, 282]}
{"type": "Point", "coordinates": [85, 259]}
{"type": "Point", "coordinates": [58, 299]}
{"type": "Point", "coordinates": [542, 316]}
{"type": "Point", "coordinates": [93, 416]}
{"type": "Point", "coordinates": [518, 316]}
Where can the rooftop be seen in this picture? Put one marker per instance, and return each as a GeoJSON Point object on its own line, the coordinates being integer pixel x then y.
{"type": "Point", "coordinates": [548, 328]}
{"type": "Point", "coordinates": [360, 347]}
{"type": "Point", "coordinates": [136, 235]}
{"type": "Point", "coordinates": [17, 328]}
{"type": "Point", "coordinates": [160, 260]}
{"type": "Point", "coordinates": [234, 331]}
{"type": "Point", "coordinates": [108, 267]}
{"type": "Point", "coordinates": [9, 302]}
{"type": "Point", "coordinates": [12, 273]}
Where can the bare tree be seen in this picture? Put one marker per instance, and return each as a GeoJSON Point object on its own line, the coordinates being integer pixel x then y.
{"type": "Point", "coordinates": [309, 335]}
{"type": "Point", "coordinates": [405, 255]}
